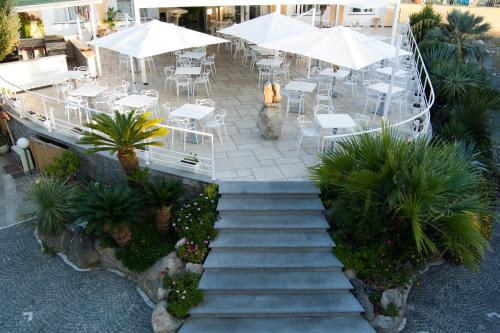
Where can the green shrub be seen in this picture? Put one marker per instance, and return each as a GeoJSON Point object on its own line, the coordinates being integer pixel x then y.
{"type": "Point", "coordinates": [64, 166]}
{"type": "Point", "coordinates": [53, 200]}
{"type": "Point", "coordinates": [146, 248]}
{"type": "Point", "coordinates": [409, 194]}
{"type": "Point", "coordinates": [164, 193]}
{"type": "Point", "coordinates": [9, 25]}
{"type": "Point", "coordinates": [195, 220]}
{"type": "Point", "coordinates": [184, 293]}
{"type": "Point", "coordinates": [391, 311]}
{"type": "Point", "coordinates": [192, 252]}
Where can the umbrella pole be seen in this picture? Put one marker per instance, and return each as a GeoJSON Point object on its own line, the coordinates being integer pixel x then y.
{"type": "Point", "coordinates": [132, 70]}
{"type": "Point", "coordinates": [308, 67]}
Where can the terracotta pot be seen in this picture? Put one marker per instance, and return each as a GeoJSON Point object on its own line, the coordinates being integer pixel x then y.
{"type": "Point", "coordinates": [122, 235]}
{"type": "Point", "coordinates": [162, 220]}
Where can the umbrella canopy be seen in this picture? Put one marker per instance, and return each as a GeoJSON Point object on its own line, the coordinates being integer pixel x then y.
{"type": "Point", "coordinates": [268, 28]}
{"type": "Point", "coordinates": [338, 45]}
{"type": "Point", "coordinates": [153, 38]}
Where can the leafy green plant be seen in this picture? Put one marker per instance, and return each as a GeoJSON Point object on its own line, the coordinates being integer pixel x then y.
{"type": "Point", "coordinates": [25, 20]}
{"type": "Point", "coordinates": [123, 134]}
{"type": "Point", "coordinates": [409, 194]}
{"type": "Point", "coordinates": [64, 166]}
{"type": "Point", "coordinates": [53, 200]}
{"type": "Point", "coordinates": [195, 220]}
{"type": "Point", "coordinates": [111, 17]}
{"type": "Point", "coordinates": [163, 195]}
{"type": "Point", "coordinates": [184, 293]}
{"type": "Point", "coordinates": [423, 21]}
{"type": "Point", "coordinates": [192, 252]}
{"type": "Point", "coordinates": [111, 209]}
{"type": "Point", "coordinates": [9, 26]}
{"type": "Point", "coordinates": [146, 248]}
{"type": "Point", "coordinates": [48, 250]}
{"type": "Point", "coordinates": [391, 311]}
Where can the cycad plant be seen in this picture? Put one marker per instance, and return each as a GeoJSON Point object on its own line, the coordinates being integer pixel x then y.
{"type": "Point", "coordinates": [123, 134]}
{"type": "Point", "coordinates": [164, 194]}
{"type": "Point", "coordinates": [111, 209]}
{"type": "Point", "coordinates": [423, 21]}
{"type": "Point", "coordinates": [53, 200]}
{"type": "Point", "coordinates": [408, 194]}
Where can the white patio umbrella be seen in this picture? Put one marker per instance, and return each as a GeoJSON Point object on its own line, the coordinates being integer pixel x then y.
{"type": "Point", "coordinates": [268, 28]}
{"type": "Point", "coordinates": [338, 45]}
{"type": "Point", "coordinates": [153, 38]}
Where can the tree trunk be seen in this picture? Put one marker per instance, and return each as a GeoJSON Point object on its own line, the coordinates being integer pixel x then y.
{"type": "Point", "coordinates": [122, 235]}
{"type": "Point", "coordinates": [128, 160]}
{"type": "Point", "coordinates": [162, 220]}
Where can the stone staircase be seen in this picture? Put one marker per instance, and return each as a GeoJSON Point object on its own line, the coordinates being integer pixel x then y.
{"type": "Point", "coordinates": [271, 268]}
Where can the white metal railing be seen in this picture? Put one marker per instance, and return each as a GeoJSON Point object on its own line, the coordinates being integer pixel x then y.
{"type": "Point", "coordinates": [424, 91]}
{"type": "Point", "coordinates": [165, 155]}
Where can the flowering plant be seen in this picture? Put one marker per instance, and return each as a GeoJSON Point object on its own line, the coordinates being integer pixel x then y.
{"type": "Point", "coordinates": [183, 293]}
{"type": "Point", "coordinates": [193, 252]}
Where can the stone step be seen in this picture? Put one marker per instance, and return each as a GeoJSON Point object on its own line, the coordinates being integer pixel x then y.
{"type": "Point", "coordinates": [290, 305]}
{"type": "Point", "coordinates": [234, 204]}
{"type": "Point", "coordinates": [268, 188]}
{"type": "Point", "coordinates": [274, 222]}
{"type": "Point", "coordinates": [272, 260]}
{"type": "Point", "coordinates": [263, 241]}
{"type": "Point", "coordinates": [273, 282]}
{"type": "Point", "coordinates": [347, 324]}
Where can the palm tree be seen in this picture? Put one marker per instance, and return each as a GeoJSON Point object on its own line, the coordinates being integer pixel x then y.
{"type": "Point", "coordinates": [462, 33]}
{"type": "Point", "coordinates": [409, 192]}
{"type": "Point", "coordinates": [123, 134]}
{"type": "Point", "coordinates": [423, 21]}
{"type": "Point", "coordinates": [163, 195]}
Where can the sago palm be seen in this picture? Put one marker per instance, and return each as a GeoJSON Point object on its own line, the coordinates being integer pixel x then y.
{"type": "Point", "coordinates": [423, 21]}
{"type": "Point", "coordinates": [463, 32]}
{"type": "Point", "coordinates": [430, 192]}
{"type": "Point", "coordinates": [123, 134]}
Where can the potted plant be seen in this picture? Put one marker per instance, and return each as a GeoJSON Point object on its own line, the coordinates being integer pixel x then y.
{"type": "Point", "coordinates": [164, 194]}
{"type": "Point", "coordinates": [111, 18]}
{"type": "Point", "coordinates": [192, 160]}
{"type": "Point", "coordinates": [111, 209]}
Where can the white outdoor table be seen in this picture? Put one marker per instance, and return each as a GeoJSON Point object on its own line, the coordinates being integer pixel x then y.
{"type": "Point", "coordinates": [269, 62]}
{"type": "Point", "coordinates": [339, 74]}
{"type": "Point", "coordinates": [135, 101]}
{"type": "Point", "coordinates": [303, 86]}
{"type": "Point", "coordinates": [72, 75]}
{"type": "Point", "coordinates": [337, 120]}
{"type": "Point", "coordinates": [388, 71]}
{"type": "Point", "coordinates": [89, 91]}
{"type": "Point", "coordinates": [194, 112]}
{"type": "Point", "coordinates": [262, 51]}
{"type": "Point", "coordinates": [193, 55]}
{"type": "Point", "coordinates": [383, 88]}
{"type": "Point", "coordinates": [188, 71]}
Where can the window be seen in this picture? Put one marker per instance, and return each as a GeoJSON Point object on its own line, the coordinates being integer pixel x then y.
{"type": "Point", "coordinates": [362, 10]}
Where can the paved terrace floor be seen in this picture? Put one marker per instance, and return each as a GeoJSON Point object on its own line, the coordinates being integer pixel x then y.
{"type": "Point", "coordinates": [245, 155]}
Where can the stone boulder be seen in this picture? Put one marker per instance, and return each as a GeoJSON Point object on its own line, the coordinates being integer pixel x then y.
{"type": "Point", "coordinates": [162, 321]}
{"type": "Point", "coordinates": [392, 296]}
{"type": "Point", "coordinates": [194, 268]}
{"type": "Point", "coordinates": [152, 278]}
{"type": "Point", "coordinates": [364, 300]}
{"type": "Point", "coordinates": [59, 243]}
{"type": "Point", "coordinates": [385, 324]}
{"type": "Point", "coordinates": [81, 249]}
{"type": "Point", "coordinates": [108, 260]}
{"type": "Point", "coordinates": [270, 121]}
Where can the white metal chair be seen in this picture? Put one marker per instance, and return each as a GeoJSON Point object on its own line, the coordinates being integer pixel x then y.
{"type": "Point", "coordinates": [183, 123]}
{"type": "Point", "coordinates": [216, 123]}
{"type": "Point", "coordinates": [311, 131]}
{"type": "Point", "coordinates": [352, 82]}
{"type": "Point", "coordinates": [372, 98]}
{"type": "Point", "coordinates": [265, 74]}
{"type": "Point", "coordinates": [295, 98]}
{"type": "Point", "coordinates": [323, 109]}
{"type": "Point", "coordinates": [169, 76]}
{"type": "Point", "coordinates": [204, 79]}
{"type": "Point", "coordinates": [325, 94]}
{"type": "Point", "coordinates": [74, 105]}
{"type": "Point", "coordinates": [150, 61]}
{"type": "Point", "coordinates": [183, 82]}
{"type": "Point", "coordinates": [362, 121]}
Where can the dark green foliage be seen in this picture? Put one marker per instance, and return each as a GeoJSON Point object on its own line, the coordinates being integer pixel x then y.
{"type": "Point", "coordinates": [146, 248]}
{"type": "Point", "coordinates": [184, 293]}
{"type": "Point", "coordinates": [108, 207]}
{"type": "Point", "coordinates": [53, 200]}
{"type": "Point", "coordinates": [9, 25]}
{"type": "Point", "coordinates": [391, 311]}
{"type": "Point", "coordinates": [48, 250]}
{"type": "Point", "coordinates": [195, 220]}
{"type": "Point", "coordinates": [418, 198]}
{"type": "Point", "coordinates": [423, 21]}
{"type": "Point", "coordinates": [163, 193]}
{"type": "Point", "coordinates": [64, 166]}
{"type": "Point", "coordinates": [139, 177]}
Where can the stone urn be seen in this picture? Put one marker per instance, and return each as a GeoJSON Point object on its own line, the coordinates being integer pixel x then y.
{"type": "Point", "coordinates": [269, 118]}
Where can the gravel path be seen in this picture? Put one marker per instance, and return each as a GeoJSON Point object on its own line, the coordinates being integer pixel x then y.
{"type": "Point", "coordinates": [58, 298]}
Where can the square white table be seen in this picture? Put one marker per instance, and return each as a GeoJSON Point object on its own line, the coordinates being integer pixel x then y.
{"type": "Point", "coordinates": [269, 62]}
{"type": "Point", "coordinates": [88, 90]}
{"type": "Point", "coordinates": [383, 88]}
{"type": "Point", "coordinates": [339, 74]}
{"type": "Point", "coordinates": [303, 86]}
{"type": "Point", "coordinates": [388, 71]}
{"type": "Point", "coordinates": [188, 71]}
{"type": "Point", "coordinates": [263, 51]}
{"type": "Point", "coordinates": [192, 111]}
{"type": "Point", "coordinates": [193, 55]}
{"type": "Point", "coordinates": [135, 101]}
{"type": "Point", "coordinates": [336, 120]}
{"type": "Point", "coordinates": [72, 75]}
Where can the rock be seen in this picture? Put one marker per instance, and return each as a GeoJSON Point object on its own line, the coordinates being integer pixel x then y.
{"type": "Point", "coordinates": [270, 121]}
{"type": "Point", "coordinates": [108, 260]}
{"type": "Point", "coordinates": [391, 296]}
{"type": "Point", "coordinates": [58, 243]}
{"type": "Point", "coordinates": [81, 249]}
{"type": "Point", "coordinates": [162, 293]}
{"type": "Point", "coordinates": [162, 321]}
{"type": "Point", "coordinates": [194, 268]}
{"type": "Point", "coordinates": [364, 300]}
{"type": "Point", "coordinates": [358, 285]}
{"type": "Point", "coordinates": [152, 278]}
{"type": "Point", "coordinates": [350, 273]}
{"type": "Point", "coordinates": [384, 324]}
{"type": "Point", "coordinates": [180, 242]}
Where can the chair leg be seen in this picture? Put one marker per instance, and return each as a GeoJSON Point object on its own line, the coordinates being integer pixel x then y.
{"type": "Point", "coordinates": [299, 141]}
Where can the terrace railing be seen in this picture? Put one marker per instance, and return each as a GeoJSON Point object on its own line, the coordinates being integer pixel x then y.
{"type": "Point", "coordinates": [167, 155]}
{"type": "Point", "coordinates": [418, 124]}
{"type": "Point", "coordinates": [470, 3]}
